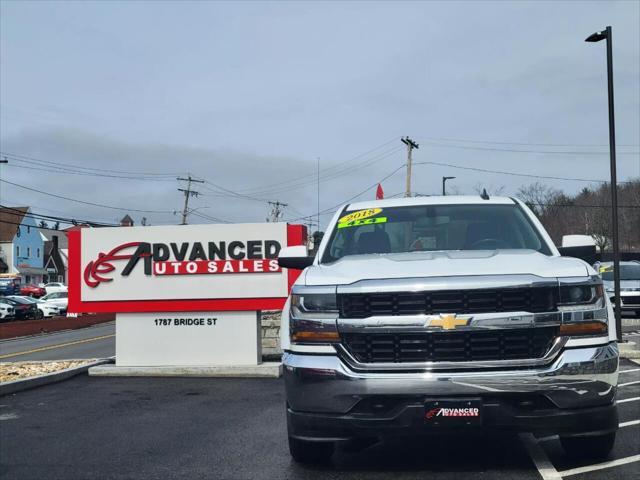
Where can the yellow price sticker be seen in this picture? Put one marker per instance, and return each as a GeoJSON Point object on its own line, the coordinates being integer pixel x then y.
{"type": "Point", "coordinates": [360, 214]}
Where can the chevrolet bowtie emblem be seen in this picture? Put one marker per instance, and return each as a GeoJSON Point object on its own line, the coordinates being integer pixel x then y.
{"type": "Point", "coordinates": [449, 321]}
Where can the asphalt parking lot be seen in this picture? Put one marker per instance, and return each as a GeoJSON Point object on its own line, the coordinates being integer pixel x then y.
{"type": "Point", "coordinates": [152, 428]}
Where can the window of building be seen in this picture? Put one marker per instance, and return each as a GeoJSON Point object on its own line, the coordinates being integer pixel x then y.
{"type": "Point", "coordinates": [28, 252]}
{"type": "Point", "coordinates": [37, 253]}
{"type": "Point", "coordinates": [17, 251]}
{"type": "Point", "coordinates": [28, 229]}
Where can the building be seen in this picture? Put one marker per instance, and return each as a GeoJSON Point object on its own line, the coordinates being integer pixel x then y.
{"type": "Point", "coordinates": [56, 255]}
{"type": "Point", "coordinates": [21, 245]}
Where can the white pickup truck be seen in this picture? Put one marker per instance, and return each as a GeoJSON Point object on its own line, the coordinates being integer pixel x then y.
{"type": "Point", "coordinates": [439, 314]}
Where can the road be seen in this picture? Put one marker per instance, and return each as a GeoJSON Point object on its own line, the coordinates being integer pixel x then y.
{"type": "Point", "coordinates": [196, 428]}
{"type": "Point", "coordinates": [92, 342]}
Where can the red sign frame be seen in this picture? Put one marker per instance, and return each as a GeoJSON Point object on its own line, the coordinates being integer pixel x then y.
{"type": "Point", "coordinates": [296, 235]}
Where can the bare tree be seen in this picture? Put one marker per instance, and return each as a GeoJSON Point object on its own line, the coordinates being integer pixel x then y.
{"type": "Point", "coordinates": [491, 190]}
{"type": "Point", "coordinates": [538, 197]}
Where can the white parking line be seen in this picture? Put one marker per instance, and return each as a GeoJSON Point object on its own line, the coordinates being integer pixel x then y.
{"type": "Point", "coordinates": [544, 466]}
{"type": "Point", "coordinates": [628, 383]}
{"type": "Point", "coordinates": [629, 400]}
{"type": "Point", "coordinates": [600, 466]}
{"type": "Point", "coordinates": [621, 425]}
{"type": "Point", "coordinates": [630, 370]}
{"type": "Point", "coordinates": [630, 423]}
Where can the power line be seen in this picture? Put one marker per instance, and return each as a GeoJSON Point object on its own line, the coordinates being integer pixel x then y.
{"type": "Point", "coordinates": [313, 179]}
{"type": "Point", "coordinates": [488, 142]}
{"type": "Point", "coordinates": [63, 171]}
{"type": "Point", "coordinates": [502, 172]}
{"type": "Point", "coordinates": [39, 228]}
{"type": "Point", "coordinates": [513, 150]}
{"type": "Point", "coordinates": [208, 217]}
{"type": "Point", "coordinates": [69, 220]}
{"type": "Point", "coordinates": [332, 209]}
{"type": "Point", "coordinates": [327, 169]}
{"type": "Point", "coordinates": [83, 201]}
{"type": "Point", "coordinates": [80, 167]}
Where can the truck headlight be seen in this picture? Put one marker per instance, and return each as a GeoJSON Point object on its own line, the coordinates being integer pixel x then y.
{"type": "Point", "coordinates": [313, 315]}
{"type": "Point", "coordinates": [583, 307]}
{"type": "Point", "coordinates": [312, 304]}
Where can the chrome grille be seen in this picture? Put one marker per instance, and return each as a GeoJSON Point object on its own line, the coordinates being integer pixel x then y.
{"type": "Point", "coordinates": [363, 305]}
{"type": "Point", "coordinates": [504, 344]}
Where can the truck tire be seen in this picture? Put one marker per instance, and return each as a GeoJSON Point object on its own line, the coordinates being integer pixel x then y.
{"type": "Point", "coordinates": [596, 447]}
{"type": "Point", "coordinates": [310, 452]}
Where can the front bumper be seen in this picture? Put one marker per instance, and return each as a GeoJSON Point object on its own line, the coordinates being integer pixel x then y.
{"type": "Point", "coordinates": [574, 395]}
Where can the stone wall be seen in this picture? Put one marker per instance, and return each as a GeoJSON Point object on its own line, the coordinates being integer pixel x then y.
{"type": "Point", "coordinates": [271, 334]}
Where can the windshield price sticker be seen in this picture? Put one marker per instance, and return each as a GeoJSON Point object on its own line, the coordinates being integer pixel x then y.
{"type": "Point", "coordinates": [360, 214]}
{"type": "Point", "coordinates": [366, 221]}
{"type": "Point", "coordinates": [362, 217]}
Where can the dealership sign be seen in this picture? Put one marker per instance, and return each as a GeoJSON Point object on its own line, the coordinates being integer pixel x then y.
{"type": "Point", "coordinates": [180, 268]}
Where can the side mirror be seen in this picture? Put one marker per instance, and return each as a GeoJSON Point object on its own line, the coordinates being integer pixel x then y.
{"type": "Point", "coordinates": [295, 257]}
{"type": "Point", "coordinates": [583, 252]}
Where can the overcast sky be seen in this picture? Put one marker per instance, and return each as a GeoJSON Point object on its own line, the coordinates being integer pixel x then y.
{"type": "Point", "coordinates": [249, 94]}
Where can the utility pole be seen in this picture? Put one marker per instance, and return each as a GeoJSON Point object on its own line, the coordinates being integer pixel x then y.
{"type": "Point", "coordinates": [276, 211]}
{"type": "Point", "coordinates": [318, 193]}
{"type": "Point", "coordinates": [310, 224]}
{"type": "Point", "coordinates": [410, 146]}
{"type": "Point", "coordinates": [188, 193]}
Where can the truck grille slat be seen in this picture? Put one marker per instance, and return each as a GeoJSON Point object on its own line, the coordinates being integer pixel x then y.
{"type": "Point", "coordinates": [508, 344]}
{"type": "Point", "coordinates": [363, 305]}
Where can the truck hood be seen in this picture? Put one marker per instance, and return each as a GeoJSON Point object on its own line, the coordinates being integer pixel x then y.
{"type": "Point", "coordinates": [444, 264]}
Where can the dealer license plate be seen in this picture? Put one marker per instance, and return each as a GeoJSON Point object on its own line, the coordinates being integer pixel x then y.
{"type": "Point", "coordinates": [453, 412]}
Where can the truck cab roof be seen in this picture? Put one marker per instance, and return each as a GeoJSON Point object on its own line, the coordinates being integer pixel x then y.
{"type": "Point", "coordinates": [435, 200]}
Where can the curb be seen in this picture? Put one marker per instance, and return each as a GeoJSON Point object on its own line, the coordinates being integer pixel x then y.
{"type": "Point", "coordinates": [33, 382]}
{"type": "Point", "coordinates": [263, 370]}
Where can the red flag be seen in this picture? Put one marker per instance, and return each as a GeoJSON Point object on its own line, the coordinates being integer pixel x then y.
{"type": "Point", "coordinates": [379, 193]}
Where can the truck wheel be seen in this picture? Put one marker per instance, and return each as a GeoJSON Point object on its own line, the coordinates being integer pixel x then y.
{"type": "Point", "coordinates": [310, 452]}
{"type": "Point", "coordinates": [597, 447]}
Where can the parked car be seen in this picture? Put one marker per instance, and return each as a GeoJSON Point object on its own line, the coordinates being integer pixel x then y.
{"type": "Point", "coordinates": [32, 291]}
{"type": "Point", "coordinates": [22, 309]}
{"type": "Point", "coordinates": [59, 299]}
{"type": "Point", "coordinates": [55, 287]}
{"type": "Point", "coordinates": [445, 314]}
{"type": "Point", "coordinates": [9, 284]}
{"type": "Point", "coordinates": [6, 311]}
{"type": "Point", "coordinates": [45, 309]}
{"type": "Point", "coordinates": [629, 284]}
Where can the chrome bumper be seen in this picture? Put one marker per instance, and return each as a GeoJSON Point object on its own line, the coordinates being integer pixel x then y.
{"type": "Point", "coordinates": [577, 378]}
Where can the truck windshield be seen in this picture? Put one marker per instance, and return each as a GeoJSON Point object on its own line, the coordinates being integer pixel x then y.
{"type": "Point", "coordinates": [432, 227]}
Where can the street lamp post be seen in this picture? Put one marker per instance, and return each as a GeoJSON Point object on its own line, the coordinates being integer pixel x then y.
{"type": "Point", "coordinates": [444, 180]}
{"type": "Point", "coordinates": [596, 37]}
